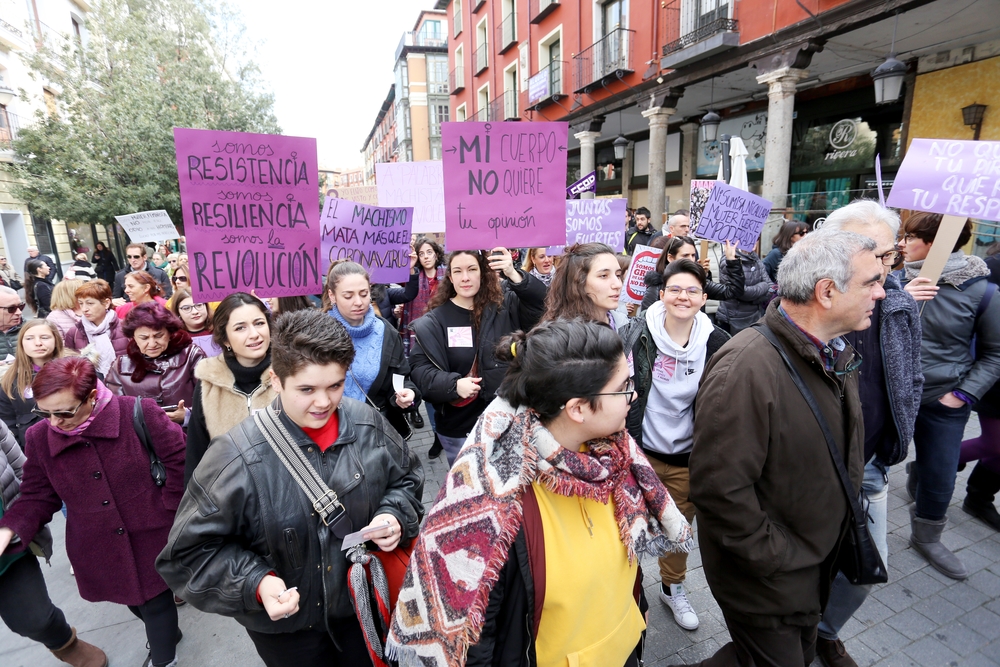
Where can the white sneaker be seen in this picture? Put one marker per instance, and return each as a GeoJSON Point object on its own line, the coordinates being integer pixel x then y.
{"type": "Point", "coordinates": [678, 602]}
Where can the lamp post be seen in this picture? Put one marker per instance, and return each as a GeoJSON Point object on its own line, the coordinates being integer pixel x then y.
{"type": "Point", "coordinates": [710, 126]}
{"type": "Point", "coordinates": [6, 94]}
{"type": "Point", "coordinates": [973, 117]}
{"type": "Point", "coordinates": [888, 78]}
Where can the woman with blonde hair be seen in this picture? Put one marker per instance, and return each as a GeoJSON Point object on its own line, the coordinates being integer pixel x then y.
{"type": "Point", "coordinates": [65, 310]}
{"type": "Point", "coordinates": [540, 264]}
{"type": "Point", "coordinates": [141, 287]}
{"type": "Point", "coordinates": [38, 343]}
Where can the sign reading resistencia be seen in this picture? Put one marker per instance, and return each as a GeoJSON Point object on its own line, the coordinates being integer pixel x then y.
{"type": "Point", "coordinates": [504, 184]}
{"type": "Point", "coordinates": [250, 213]}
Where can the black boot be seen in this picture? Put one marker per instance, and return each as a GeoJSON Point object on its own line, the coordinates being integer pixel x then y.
{"type": "Point", "coordinates": [416, 419]}
{"type": "Point", "coordinates": [982, 488]}
{"type": "Point", "coordinates": [436, 448]}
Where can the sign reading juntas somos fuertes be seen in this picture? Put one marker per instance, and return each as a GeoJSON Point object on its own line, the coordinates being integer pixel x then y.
{"type": "Point", "coordinates": [594, 221]}
{"type": "Point", "coordinates": [250, 213]}
{"type": "Point", "coordinates": [504, 184]}
{"type": "Point", "coordinates": [377, 238]}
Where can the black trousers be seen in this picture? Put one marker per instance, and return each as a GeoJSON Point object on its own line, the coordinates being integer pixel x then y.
{"type": "Point", "coordinates": [159, 615]}
{"type": "Point", "coordinates": [25, 606]}
{"type": "Point", "coordinates": [315, 647]}
{"type": "Point", "coordinates": [783, 646]}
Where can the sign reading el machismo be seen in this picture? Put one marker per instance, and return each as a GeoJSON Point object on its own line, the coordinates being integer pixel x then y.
{"type": "Point", "coordinates": [251, 215]}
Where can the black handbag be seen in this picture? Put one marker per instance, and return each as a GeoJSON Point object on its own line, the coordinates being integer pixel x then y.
{"type": "Point", "coordinates": [859, 559]}
{"type": "Point", "coordinates": [156, 467]}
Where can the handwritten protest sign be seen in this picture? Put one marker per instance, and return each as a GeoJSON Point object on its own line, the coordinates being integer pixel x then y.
{"type": "Point", "coordinates": [148, 226]}
{"type": "Point", "coordinates": [376, 238]}
{"type": "Point", "coordinates": [419, 185]}
{"type": "Point", "coordinates": [732, 214]}
{"type": "Point", "coordinates": [700, 191]}
{"type": "Point", "coordinates": [504, 184]}
{"type": "Point", "coordinates": [643, 261]}
{"type": "Point", "coordinates": [362, 194]}
{"type": "Point", "coordinates": [594, 221]}
{"type": "Point", "coordinates": [959, 179]}
{"type": "Point", "coordinates": [250, 213]}
{"type": "Point", "coordinates": [586, 184]}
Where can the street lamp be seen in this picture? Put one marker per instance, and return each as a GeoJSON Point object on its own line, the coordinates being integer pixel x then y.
{"type": "Point", "coordinates": [6, 94]}
{"type": "Point", "coordinates": [621, 143]}
{"type": "Point", "coordinates": [973, 117]}
{"type": "Point", "coordinates": [710, 126]}
{"type": "Point", "coordinates": [888, 78]}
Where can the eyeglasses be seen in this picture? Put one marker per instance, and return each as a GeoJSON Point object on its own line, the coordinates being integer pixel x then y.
{"type": "Point", "coordinates": [629, 392]}
{"type": "Point", "coordinates": [13, 309]}
{"type": "Point", "coordinates": [134, 256]}
{"type": "Point", "coordinates": [193, 306]}
{"type": "Point", "coordinates": [909, 237]}
{"type": "Point", "coordinates": [675, 290]}
{"type": "Point", "coordinates": [61, 414]}
{"type": "Point", "coordinates": [888, 258]}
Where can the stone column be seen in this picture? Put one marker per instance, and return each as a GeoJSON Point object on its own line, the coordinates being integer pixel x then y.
{"type": "Point", "coordinates": [658, 119]}
{"type": "Point", "coordinates": [778, 150]}
{"type": "Point", "coordinates": [588, 159]}
{"type": "Point", "coordinates": [690, 144]}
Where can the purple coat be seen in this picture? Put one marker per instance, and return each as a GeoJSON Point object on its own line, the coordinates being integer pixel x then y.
{"type": "Point", "coordinates": [118, 520]}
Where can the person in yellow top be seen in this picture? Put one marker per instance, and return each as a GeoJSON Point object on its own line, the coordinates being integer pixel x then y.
{"type": "Point", "coordinates": [530, 556]}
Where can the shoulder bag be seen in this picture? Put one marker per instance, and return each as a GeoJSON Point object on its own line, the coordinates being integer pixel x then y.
{"type": "Point", "coordinates": [859, 558]}
{"type": "Point", "coordinates": [156, 467]}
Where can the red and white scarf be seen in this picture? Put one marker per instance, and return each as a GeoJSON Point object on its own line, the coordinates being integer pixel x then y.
{"type": "Point", "coordinates": [463, 544]}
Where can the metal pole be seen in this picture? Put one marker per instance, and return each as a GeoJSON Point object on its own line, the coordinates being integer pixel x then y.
{"type": "Point", "coordinates": [727, 166]}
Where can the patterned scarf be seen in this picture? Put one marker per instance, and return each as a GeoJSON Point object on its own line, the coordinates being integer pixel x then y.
{"type": "Point", "coordinates": [463, 544]}
{"type": "Point", "coordinates": [416, 308]}
{"type": "Point", "coordinates": [546, 278]}
{"type": "Point", "coordinates": [99, 336]}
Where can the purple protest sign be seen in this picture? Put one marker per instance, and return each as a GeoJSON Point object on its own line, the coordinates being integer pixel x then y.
{"type": "Point", "coordinates": [416, 184]}
{"type": "Point", "coordinates": [377, 238]}
{"type": "Point", "coordinates": [250, 213]}
{"type": "Point", "coordinates": [960, 178]}
{"type": "Point", "coordinates": [732, 214]}
{"type": "Point", "coordinates": [504, 184]}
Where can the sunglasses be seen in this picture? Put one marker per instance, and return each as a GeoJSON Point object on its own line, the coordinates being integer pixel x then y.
{"type": "Point", "coordinates": [135, 256]}
{"type": "Point", "coordinates": [13, 309]}
{"type": "Point", "coordinates": [180, 279]}
{"type": "Point", "coordinates": [61, 414]}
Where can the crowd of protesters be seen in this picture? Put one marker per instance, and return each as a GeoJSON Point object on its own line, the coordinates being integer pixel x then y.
{"type": "Point", "coordinates": [218, 454]}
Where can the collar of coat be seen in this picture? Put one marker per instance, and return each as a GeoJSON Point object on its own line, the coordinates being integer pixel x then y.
{"type": "Point", "coordinates": [215, 370]}
{"type": "Point", "coordinates": [797, 342]}
{"type": "Point", "coordinates": [106, 426]}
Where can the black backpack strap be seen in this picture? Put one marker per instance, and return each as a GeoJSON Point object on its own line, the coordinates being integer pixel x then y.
{"type": "Point", "coordinates": [156, 467]}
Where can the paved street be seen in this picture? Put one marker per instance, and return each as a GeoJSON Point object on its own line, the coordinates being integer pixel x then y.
{"type": "Point", "coordinates": [919, 618]}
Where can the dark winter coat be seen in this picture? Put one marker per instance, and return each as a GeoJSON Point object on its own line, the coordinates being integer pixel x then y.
{"type": "Point", "coordinates": [989, 404]}
{"type": "Point", "coordinates": [393, 362]}
{"type": "Point", "coordinates": [172, 381]}
{"type": "Point", "coordinates": [743, 311]}
{"type": "Point", "coordinates": [76, 338]}
{"type": "Point", "coordinates": [243, 516]}
{"type": "Point", "coordinates": [43, 296]}
{"type": "Point", "coordinates": [105, 264]}
{"type": "Point", "coordinates": [521, 307]}
{"type": "Point", "coordinates": [771, 509]}
{"type": "Point", "coordinates": [11, 467]}
{"type": "Point", "coordinates": [8, 342]}
{"type": "Point", "coordinates": [389, 297]}
{"type": "Point", "coordinates": [731, 287]}
{"type": "Point", "coordinates": [635, 236]}
{"type": "Point", "coordinates": [16, 413]}
{"type": "Point", "coordinates": [118, 518]}
{"type": "Point", "coordinates": [161, 277]}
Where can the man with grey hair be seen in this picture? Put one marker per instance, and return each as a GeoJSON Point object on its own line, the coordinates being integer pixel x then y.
{"type": "Point", "coordinates": [890, 387]}
{"type": "Point", "coordinates": [771, 508]}
{"type": "Point", "coordinates": [11, 307]}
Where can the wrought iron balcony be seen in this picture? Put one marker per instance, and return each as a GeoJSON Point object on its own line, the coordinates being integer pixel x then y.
{"type": "Point", "coordinates": [456, 80]}
{"type": "Point", "coordinates": [484, 114]}
{"type": "Point", "coordinates": [704, 32]}
{"type": "Point", "coordinates": [504, 106]}
{"type": "Point", "coordinates": [482, 58]}
{"type": "Point", "coordinates": [539, 9]}
{"type": "Point", "coordinates": [457, 22]}
{"type": "Point", "coordinates": [422, 39]}
{"type": "Point", "coordinates": [9, 126]}
{"type": "Point", "coordinates": [608, 59]}
{"type": "Point", "coordinates": [546, 86]}
{"type": "Point", "coordinates": [507, 32]}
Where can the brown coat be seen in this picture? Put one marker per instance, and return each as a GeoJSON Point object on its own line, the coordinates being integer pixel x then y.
{"type": "Point", "coordinates": [771, 509]}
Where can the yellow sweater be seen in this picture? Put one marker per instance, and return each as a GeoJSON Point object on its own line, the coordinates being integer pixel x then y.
{"type": "Point", "coordinates": [589, 615]}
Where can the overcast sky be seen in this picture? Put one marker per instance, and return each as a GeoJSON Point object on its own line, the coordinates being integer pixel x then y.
{"type": "Point", "coordinates": [329, 64]}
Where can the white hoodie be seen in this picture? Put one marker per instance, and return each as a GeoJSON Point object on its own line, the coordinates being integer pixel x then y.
{"type": "Point", "coordinates": [668, 425]}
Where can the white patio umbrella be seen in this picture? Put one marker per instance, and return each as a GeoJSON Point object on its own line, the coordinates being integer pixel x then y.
{"type": "Point", "coordinates": [738, 159]}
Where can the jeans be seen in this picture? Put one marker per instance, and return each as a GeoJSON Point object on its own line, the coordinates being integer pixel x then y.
{"type": "Point", "coordinates": [25, 606]}
{"type": "Point", "coordinates": [752, 646]}
{"type": "Point", "coordinates": [845, 597]}
{"type": "Point", "coordinates": [430, 415]}
{"type": "Point", "coordinates": [159, 615]}
{"type": "Point", "coordinates": [937, 437]}
{"type": "Point", "coordinates": [452, 446]}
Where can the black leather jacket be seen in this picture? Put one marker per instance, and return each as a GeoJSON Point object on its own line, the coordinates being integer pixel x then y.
{"type": "Point", "coordinates": [243, 516]}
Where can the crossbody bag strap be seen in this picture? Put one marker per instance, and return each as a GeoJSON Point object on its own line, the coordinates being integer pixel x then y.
{"type": "Point", "coordinates": [324, 499]}
{"type": "Point", "coordinates": [858, 514]}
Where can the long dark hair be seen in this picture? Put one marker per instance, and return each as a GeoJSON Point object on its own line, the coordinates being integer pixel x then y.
{"type": "Point", "coordinates": [567, 297]}
{"type": "Point", "coordinates": [672, 248]}
{"type": "Point", "coordinates": [783, 240]}
{"type": "Point", "coordinates": [225, 310]}
{"type": "Point", "coordinates": [489, 287]}
{"type": "Point", "coordinates": [30, 269]}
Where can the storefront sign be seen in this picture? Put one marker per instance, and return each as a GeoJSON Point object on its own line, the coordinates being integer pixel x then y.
{"type": "Point", "coordinates": [504, 184]}
{"type": "Point", "coordinates": [733, 215]}
{"type": "Point", "coordinates": [847, 144]}
{"type": "Point", "coordinates": [148, 226]}
{"type": "Point", "coordinates": [250, 213]}
{"type": "Point", "coordinates": [643, 261]}
{"type": "Point", "coordinates": [377, 238]}
{"type": "Point", "coordinates": [419, 185]}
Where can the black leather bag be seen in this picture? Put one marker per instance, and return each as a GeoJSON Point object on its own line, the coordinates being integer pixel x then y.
{"type": "Point", "coordinates": [156, 467]}
{"type": "Point", "coordinates": [859, 558]}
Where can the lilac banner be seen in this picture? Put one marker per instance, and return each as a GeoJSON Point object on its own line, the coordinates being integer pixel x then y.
{"type": "Point", "coordinates": [416, 184]}
{"type": "Point", "coordinates": [250, 213]}
{"type": "Point", "coordinates": [586, 184]}
{"type": "Point", "coordinates": [732, 214]}
{"type": "Point", "coordinates": [594, 221]}
{"type": "Point", "coordinates": [504, 184]}
{"type": "Point", "coordinates": [959, 178]}
{"type": "Point", "coordinates": [375, 237]}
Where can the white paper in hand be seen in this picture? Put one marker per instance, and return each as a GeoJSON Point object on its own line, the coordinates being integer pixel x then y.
{"type": "Point", "coordinates": [362, 536]}
{"type": "Point", "coordinates": [397, 383]}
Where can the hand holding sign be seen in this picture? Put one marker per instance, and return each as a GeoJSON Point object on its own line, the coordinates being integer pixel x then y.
{"type": "Point", "coordinates": [733, 215]}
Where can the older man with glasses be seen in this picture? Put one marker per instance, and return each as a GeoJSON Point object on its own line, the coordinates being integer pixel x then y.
{"type": "Point", "coordinates": [11, 308]}
{"type": "Point", "coordinates": [135, 257]}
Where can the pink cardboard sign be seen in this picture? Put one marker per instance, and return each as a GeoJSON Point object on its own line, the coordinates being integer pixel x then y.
{"type": "Point", "coordinates": [504, 184]}
{"type": "Point", "coordinates": [377, 238]}
{"type": "Point", "coordinates": [960, 178]}
{"type": "Point", "coordinates": [250, 213]}
{"type": "Point", "coordinates": [732, 214]}
{"type": "Point", "coordinates": [419, 185]}
{"type": "Point", "coordinates": [594, 221]}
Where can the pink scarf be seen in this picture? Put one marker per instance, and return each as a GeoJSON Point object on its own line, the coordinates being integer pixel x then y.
{"type": "Point", "coordinates": [104, 397]}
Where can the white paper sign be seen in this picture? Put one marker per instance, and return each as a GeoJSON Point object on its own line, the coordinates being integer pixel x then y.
{"type": "Point", "coordinates": [397, 382]}
{"type": "Point", "coordinates": [148, 226]}
{"type": "Point", "coordinates": [416, 184]}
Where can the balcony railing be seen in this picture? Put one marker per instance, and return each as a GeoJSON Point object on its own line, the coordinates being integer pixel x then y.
{"type": "Point", "coordinates": [609, 58]}
{"type": "Point", "coordinates": [482, 57]}
{"type": "Point", "coordinates": [507, 32]}
{"type": "Point", "coordinates": [539, 9]}
{"type": "Point", "coordinates": [457, 23]}
{"type": "Point", "coordinates": [547, 85]}
{"type": "Point", "coordinates": [9, 126]}
{"type": "Point", "coordinates": [484, 114]}
{"type": "Point", "coordinates": [704, 32]}
{"type": "Point", "coordinates": [456, 80]}
{"type": "Point", "coordinates": [504, 106]}
{"type": "Point", "coordinates": [413, 38]}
